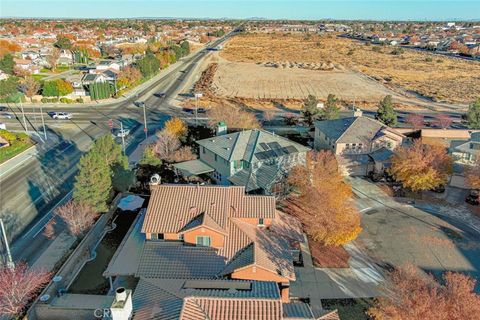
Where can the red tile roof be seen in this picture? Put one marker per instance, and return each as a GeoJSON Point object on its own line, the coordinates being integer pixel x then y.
{"type": "Point", "coordinates": [171, 207]}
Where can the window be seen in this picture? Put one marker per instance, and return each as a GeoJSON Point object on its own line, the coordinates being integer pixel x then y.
{"type": "Point", "coordinates": [261, 222]}
{"type": "Point", "coordinates": [203, 149]}
{"type": "Point", "coordinates": [360, 146]}
{"type": "Point", "coordinates": [180, 237]}
{"type": "Point", "coordinates": [157, 236]}
{"type": "Point", "coordinates": [348, 146]}
{"type": "Point", "coordinates": [203, 241]}
{"type": "Point", "coordinates": [215, 157]}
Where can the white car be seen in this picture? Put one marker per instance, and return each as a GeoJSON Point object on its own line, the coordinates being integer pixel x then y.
{"type": "Point", "coordinates": [123, 133]}
{"type": "Point", "coordinates": [62, 115]}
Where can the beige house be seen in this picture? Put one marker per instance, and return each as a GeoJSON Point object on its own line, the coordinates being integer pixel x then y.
{"type": "Point", "coordinates": [361, 144]}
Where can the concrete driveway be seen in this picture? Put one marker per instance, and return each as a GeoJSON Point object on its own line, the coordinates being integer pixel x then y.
{"type": "Point", "coordinates": [434, 236]}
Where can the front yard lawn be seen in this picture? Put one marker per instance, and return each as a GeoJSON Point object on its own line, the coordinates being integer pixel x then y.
{"type": "Point", "coordinates": [351, 309]}
{"type": "Point", "coordinates": [19, 142]}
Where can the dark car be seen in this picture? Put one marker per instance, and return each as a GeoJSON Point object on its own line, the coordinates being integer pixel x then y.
{"type": "Point", "coordinates": [188, 110]}
{"type": "Point", "coordinates": [472, 198]}
{"type": "Point", "coordinates": [159, 94]}
{"type": "Point", "coordinates": [2, 108]}
{"type": "Point", "coordinates": [201, 110]}
{"type": "Point", "coordinates": [439, 189]}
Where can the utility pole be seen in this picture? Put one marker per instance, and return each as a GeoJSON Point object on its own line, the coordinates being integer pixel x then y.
{"type": "Point", "coordinates": [43, 123]}
{"type": "Point", "coordinates": [145, 121]}
{"type": "Point", "coordinates": [24, 119]}
{"type": "Point", "coordinates": [123, 137]}
{"type": "Point", "coordinates": [10, 263]}
{"type": "Point", "coordinates": [197, 95]}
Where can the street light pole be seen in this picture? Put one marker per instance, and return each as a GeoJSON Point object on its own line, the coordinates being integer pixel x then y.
{"type": "Point", "coordinates": [145, 121]}
{"type": "Point", "coordinates": [10, 263]}
{"type": "Point", "coordinates": [43, 123]}
{"type": "Point", "coordinates": [197, 95]}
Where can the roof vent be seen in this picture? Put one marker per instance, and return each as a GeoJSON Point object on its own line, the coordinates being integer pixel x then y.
{"type": "Point", "coordinates": [228, 148]}
{"type": "Point", "coordinates": [193, 210]}
{"type": "Point", "coordinates": [213, 140]}
{"type": "Point", "coordinates": [229, 138]}
{"type": "Point", "coordinates": [213, 204]}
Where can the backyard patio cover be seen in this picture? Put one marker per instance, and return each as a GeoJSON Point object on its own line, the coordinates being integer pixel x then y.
{"type": "Point", "coordinates": [193, 168]}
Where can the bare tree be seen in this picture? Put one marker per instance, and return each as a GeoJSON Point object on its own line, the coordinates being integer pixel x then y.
{"type": "Point", "coordinates": [18, 287]}
{"type": "Point", "coordinates": [49, 231]}
{"type": "Point", "coordinates": [166, 145]}
{"type": "Point", "coordinates": [268, 115]}
{"type": "Point", "coordinates": [415, 120]}
{"type": "Point", "coordinates": [443, 121]}
{"type": "Point", "coordinates": [412, 296]}
{"type": "Point", "coordinates": [78, 216]}
{"type": "Point", "coordinates": [234, 117]}
{"type": "Point", "coordinates": [52, 58]}
{"type": "Point", "coordinates": [31, 87]}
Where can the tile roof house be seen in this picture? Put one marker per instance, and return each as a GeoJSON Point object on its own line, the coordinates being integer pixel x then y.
{"type": "Point", "coordinates": [358, 142]}
{"type": "Point", "coordinates": [211, 252]}
{"type": "Point", "coordinates": [256, 159]}
{"type": "Point", "coordinates": [466, 151]}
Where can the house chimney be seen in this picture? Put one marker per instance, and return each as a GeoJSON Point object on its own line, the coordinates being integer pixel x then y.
{"type": "Point", "coordinates": [155, 179]}
{"type": "Point", "coordinates": [122, 308]}
{"type": "Point", "coordinates": [120, 294]}
{"type": "Point", "coordinates": [221, 128]}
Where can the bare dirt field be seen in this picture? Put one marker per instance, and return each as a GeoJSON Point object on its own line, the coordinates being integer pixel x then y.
{"type": "Point", "coordinates": [326, 63]}
{"type": "Point", "coordinates": [248, 80]}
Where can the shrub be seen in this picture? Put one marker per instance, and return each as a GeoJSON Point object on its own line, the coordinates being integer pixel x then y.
{"type": "Point", "coordinates": [79, 100]}
{"type": "Point", "coordinates": [44, 100]}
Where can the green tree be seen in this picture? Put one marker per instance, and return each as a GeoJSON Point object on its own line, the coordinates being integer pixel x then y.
{"type": "Point", "coordinates": [8, 87]}
{"type": "Point", "coordinates": [110, 151]}
{"type": "Point", "coordinates": [385, 112]}
{"type": "Point", "coordinates": [150, 157]}
{"type": "Point", "coordinates": [310, 111]}
{"type": "Point", "coordinates": [56, 88]}
{"type": "Point", "coordinates": [148, 65]}
{"type": "Point", "coordinates": [185, 46]}
{"type": "Point", "coordinates": [330, 111]}
{"type": "Point", "coordinates": [7, 64]}
{"type": "Point", "coordinates": [473, 115]}
{"type": "Point", "coordinates": [93, 182]}
{"type": "Point", "coordinates": [63, 43]}
{"type": "Point", "coordinates": [100, 90]}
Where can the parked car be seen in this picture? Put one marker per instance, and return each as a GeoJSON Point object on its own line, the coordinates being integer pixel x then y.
{"type": "Point", "coordinates": [188, 110]}
{"type": "Point", "coordinates": [472, 198]}
{"type": "Point", "coordinates": [201, 110]}
{"type": "Point", "coordinates": [7, 115]}
{"type": "Point", "coordinates": [61, 115]}
{"type": "Point", "coordinates": [139, 104]}
{"type": "Point", "coordinates": [159, 94]}
{"type": "Point", "coordinates": [2, 108]}
{"type": "Point", "coordinates": [122, 133]}
{"type": "Point", "coordinates": [439, 189]}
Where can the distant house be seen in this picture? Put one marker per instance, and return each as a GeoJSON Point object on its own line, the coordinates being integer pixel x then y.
{"type": "Point", "coordinates": [360, 143]}
{"type": "Point", "coordinates": [466, 151]}
{"type": "Point", "coordinates": [66, 57]}
{"type": "Point", "coordinates": [256, 159]}
{"type": "Point", "coordinates": [108, 64]}
{"type": "Point", "coordinates": [90, 78]}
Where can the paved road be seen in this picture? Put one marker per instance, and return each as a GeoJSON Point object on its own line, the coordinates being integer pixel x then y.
{"type": "Point", "coordinates": [32, 190]}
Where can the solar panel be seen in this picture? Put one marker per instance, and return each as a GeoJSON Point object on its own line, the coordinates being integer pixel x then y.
{"type": "Point", "coordinates": [274, 145]}
{"type": "Point", "coordinates": [264, 146]}
{"type": "Point", "coordinates": [290, 149]}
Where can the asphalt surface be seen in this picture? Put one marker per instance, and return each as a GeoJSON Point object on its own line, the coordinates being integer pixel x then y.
{"type": "Point", "coordinates": [31, 191]}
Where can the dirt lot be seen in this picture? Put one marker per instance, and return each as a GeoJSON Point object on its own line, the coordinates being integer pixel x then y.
{"type": "Point", "coordinates": [247, 80]}
{"type": "Point", "coordinates": [285, 57]}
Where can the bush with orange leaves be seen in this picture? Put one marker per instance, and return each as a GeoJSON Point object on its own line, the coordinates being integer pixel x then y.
{"type": "Point", "coordinates": [322, 201]}
{"type": "Point", "coordinates": [176, 127]}
{"type": "Point", "coordinates": [411, 296]}
{"type": "Point", "coordinates": [472, 175]}
{"type": "Point", "coordinates": [420, 166]}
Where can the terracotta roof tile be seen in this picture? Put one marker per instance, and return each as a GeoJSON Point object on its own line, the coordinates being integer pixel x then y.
{"type": "Point", "coordinates": [171, 207]}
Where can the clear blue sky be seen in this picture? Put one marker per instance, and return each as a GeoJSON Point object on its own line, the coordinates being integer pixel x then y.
{"type": "Point", "coordinates": [274, 9]}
